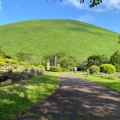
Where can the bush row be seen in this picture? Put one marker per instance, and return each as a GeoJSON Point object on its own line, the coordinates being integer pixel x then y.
{"type": "Point", "coordinates": [14, 64]}
{"type": "Point", "coordinates": [55, 69]}
{"type": "Point", "coordinates": [105, 68]}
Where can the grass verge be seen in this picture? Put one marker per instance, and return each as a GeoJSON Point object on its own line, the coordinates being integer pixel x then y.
{"type": "Point", "coordinates": [113, 84]}
{"type": "Point", "coordinates": [17, 98]}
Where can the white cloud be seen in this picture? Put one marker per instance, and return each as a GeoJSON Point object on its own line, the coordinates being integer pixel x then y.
{"type": "Point", "coordinates": [86, 18]}
{"type": "Point", "coordinates": [76, 3]}
{"type": "Point", "coordinates": [104, 6]}
{"type": "Point", "coordinates": [0, 5]}
{"type": "Point", "coordinates": [110, 4]}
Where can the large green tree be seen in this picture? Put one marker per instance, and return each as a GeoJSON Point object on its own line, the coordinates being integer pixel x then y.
{"type": "Point", "coordinates": [92, 2]}
{"type": "Point", "coordinates": [115, 60]}
{"type": "Point", "coordinates": [97, 60]}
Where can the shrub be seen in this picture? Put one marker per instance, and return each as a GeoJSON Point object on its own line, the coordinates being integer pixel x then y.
{"type": "Point", "coordinates": [36, 68]}
{"type": "Point", "coordinates": [1, 59]}
{"type": "Point", "coordinates": [41, 67]}
{"type": "Point", "coordinates": [11, 61]}
{"type": "Point", "coordinates": [24, 56]}
{"type": "Point", "coordinates": [2, 63]}
{"type": "Point", "coordinates": [110, 77]}
{"type": "Point", "coordinates": [94, 69]}
{"type": "Point", "coordinates": [107, 68]}
{"type": "Point", "coordinates": [63, 69]}
{"type": "Point", "coordinates": [15, 66]}
{"type": "Point", "coordinates": [25, 64]}
{"type": "Point", "coordinates": [118, 76]}
{"type": "Point", "coordinates": [55, 68]}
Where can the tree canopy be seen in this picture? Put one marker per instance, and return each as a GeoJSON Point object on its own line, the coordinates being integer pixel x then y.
{"type": "Point", "coordinates": [97, 60]}
{"type": "Point", "coordinates": [119, 39]}
{"type": "Point", "coordinates": [92, 2]}
{"type": "Point", "coordinates": [115, 60]}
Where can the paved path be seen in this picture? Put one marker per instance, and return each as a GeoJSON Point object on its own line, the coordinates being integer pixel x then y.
{"type": "Point", "coordinates": [77, 99]}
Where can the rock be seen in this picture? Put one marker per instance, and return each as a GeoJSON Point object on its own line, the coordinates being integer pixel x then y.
{"type": "Point", "coordinates": [30, 75]}
{"type": "Point", "coordinates": [4, 78]}
{"type": "Point", "coordinates": [14, 78]}
{"type": "Point", "coordinates": [24, 76]}
{"type": "Point", "coordinates": [42, 72]}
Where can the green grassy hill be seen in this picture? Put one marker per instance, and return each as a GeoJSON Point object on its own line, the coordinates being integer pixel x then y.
{"type": "Point", "coordinates": [45, 36]}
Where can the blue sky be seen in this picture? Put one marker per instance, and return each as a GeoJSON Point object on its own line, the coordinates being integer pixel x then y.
{"type": "Point", "coordinates": [106, 15]}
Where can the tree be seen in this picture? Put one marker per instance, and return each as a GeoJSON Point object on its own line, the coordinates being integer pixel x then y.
{"type": "Point", "coordinates": [5, 53]}
{"type": "Point", "coordinates": [81, 65]}
{"type": "Point", "coordinates": [65, 61]}
{"type": "Point", "coordinates": [68, 62]}
{"type": "Point", "coordinates": [119, 39]}
{"type": "Point", "coordinates": [2, 52]}
{"type": "Point", "coordinates": [97, 60]}
{"type": "Point", "coordinates": [115, 60]}
{"type": "Point", "coordinates": [59, 54]}
{"type": "Point", "coordinates": [24, 56]}
{"type": "Point", "coordinates": [92, 2]}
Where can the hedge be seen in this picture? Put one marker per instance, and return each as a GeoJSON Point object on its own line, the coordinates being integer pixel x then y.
{"type": "Point", "coordinates": [55, 69]}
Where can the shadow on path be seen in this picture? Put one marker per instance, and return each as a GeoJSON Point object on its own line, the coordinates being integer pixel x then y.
{"type": "Point", "coordinates": [77, 99]}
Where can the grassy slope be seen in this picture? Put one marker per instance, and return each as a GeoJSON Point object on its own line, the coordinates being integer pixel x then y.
{"type": "Point", "coordinates": [17, 98]}
{"type": "Point", "coordinates": [43, 36]}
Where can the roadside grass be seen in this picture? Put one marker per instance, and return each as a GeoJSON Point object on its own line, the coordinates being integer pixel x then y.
{"type": "Point", "coordinates": [17, 98]}
{"type": "Point", "coordinates": [114, 84]}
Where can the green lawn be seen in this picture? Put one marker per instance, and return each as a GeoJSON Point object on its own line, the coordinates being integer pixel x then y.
{"type": "Point", "coordinates": [113, 84]}
{"type": "Point", "coordinates": [17, 98]}
{"type": "Point", "coordinates": [45, 36]}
